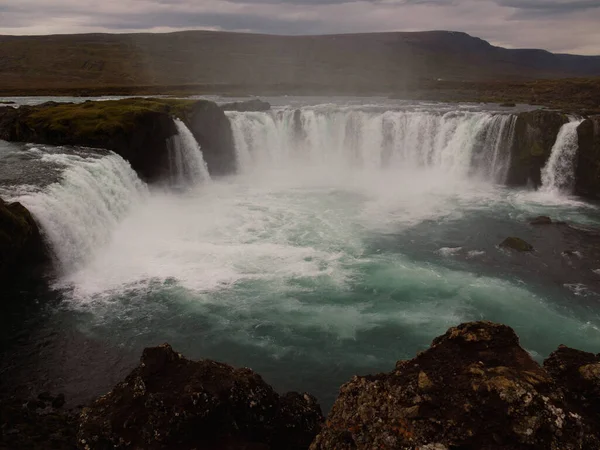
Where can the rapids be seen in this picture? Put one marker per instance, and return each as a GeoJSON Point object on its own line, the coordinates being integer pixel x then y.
{"type": "Point", "coordinates": [350, 238]}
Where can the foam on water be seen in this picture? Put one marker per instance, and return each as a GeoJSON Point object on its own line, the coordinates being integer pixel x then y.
{"type": "Point", "coordinates": [79, 213]}
{"type": "Point", "coordinates": [304, 266]}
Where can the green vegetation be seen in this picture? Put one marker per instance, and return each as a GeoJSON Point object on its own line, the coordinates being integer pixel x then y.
{"type": "Point", "coordinates": [577, 95]}
{"type": "Point", "coordinates": [102, 117]}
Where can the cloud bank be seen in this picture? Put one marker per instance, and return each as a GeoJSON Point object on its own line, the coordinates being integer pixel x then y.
{"type": "Point", "coordinates": [566, 26]}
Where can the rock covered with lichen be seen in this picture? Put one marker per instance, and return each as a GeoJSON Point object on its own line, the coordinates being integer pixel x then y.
{"type": "Point", "coordinates": [171, 402]}
{"type": "Point", "coordinates": [475, 388]}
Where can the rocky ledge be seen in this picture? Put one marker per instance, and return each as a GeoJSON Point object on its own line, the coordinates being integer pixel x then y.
{"type": "Point", "coordinates": [136, 128]}
{"type": "Point", "coordinates": [475, 388]}
{"type": "Point", "coordinates": [23, 252]}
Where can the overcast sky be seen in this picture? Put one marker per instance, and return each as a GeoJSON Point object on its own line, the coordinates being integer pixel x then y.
{"type": "Point", "coordinates": [571, 26]}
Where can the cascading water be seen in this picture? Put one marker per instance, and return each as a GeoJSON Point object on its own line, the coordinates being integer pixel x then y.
{"type": "Point", "coordinates": [350, 231]}
{"type": "Point", "coordinates": [558, 175]}
{"type": "Point", "coordinates": [186, 162]}
{"type": "Point", "coordinates": [457, 143]}
{"type": "Point", "coordinates": [78, 214]}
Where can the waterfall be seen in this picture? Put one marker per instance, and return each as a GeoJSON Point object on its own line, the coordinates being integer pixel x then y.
{"type": "Point", "coordinates": [186, 162]}
{"type": "Point", "coordinates": [458, 143]}
{"type": "Point", "coordinates": [558, 175]}
{"type": "Point", "coordinates": [79, 213]}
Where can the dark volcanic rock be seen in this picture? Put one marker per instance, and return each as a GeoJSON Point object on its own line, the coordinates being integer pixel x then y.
{"type": "Point", "coordinates": [587, 175]}
{"type": "Point", "coordinates": [212, 130]}
{"type": "Point", "coordinates": [516, 243]}
{"type": "Point", "coordinates": [170, 402]}
{"type": "Point", "coordinates": [136, 129]}
{"type": "Point", "coordinates": [578, 375]}
{"type": "Point", "coordinates": [249, 105]}
{"type": "Point", "coordinates": [36, 425]}
{"type": "Point", "coordinates": [23, 253]}
{"type": "Point", "coordinates": [475, 388]}
{"type": "Point", "coordinates": [535, 134]}
{"type": "Point", "coordinates": [129, 127]}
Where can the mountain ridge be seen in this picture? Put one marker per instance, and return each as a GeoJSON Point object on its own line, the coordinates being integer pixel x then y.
{"type": "Point", "coordinates": [350, 63]}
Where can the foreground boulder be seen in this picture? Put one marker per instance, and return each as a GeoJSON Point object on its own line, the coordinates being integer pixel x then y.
{"type": "Point", "coordinates": [22, 250]}
{"type": "Point", "coordinates": [170, 402]}
{"type": "Point", "coordinates": [578, 376]}
{"type": "Point", "coordinates": [475, 388]}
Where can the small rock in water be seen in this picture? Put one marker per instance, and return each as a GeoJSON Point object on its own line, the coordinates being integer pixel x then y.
{"type": "Point", "coordinates": [516, 243]}
{"type": "Point", "coordinates": [541, 220]}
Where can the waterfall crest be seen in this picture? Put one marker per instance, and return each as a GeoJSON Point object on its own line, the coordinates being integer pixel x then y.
{"type": "Point", "coordinates": [79, 213]}
{"type": "Point", "coordinates": [186, 162]}
{"type": "Point", "coordinates": [558, 175]}
{"type": "Point", "coordinates": [458, 143]}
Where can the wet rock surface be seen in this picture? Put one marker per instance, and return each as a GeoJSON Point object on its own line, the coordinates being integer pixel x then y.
{"type": "Point", "coordinates": [136, 128]}
{"type": "Point", "coordinates": [587, 174]}
{"type": "Point", "coordinates": [518, 244]}
{"type": "Point", "coordinates": [475, 388]}
{"type": "Point", "coordinates": [535, 134]}
{"type": "Point", "coordinates": [171, 402]}
{"type": "Point", "coordinates": [23, 253]}
{"type": "Point", "coordinates": [212, 131]}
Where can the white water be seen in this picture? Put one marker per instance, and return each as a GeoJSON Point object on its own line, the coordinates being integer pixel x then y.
{"type": "Point", "coordinates": [79, 214]}
{"type": "Point", "coordinates": [186, 162]}
{"type": "Point", "coordinates": [356, 232]}
{"type": "Point", "coordinates": [558, 176]}
{"type": "Point", "coordinates": [455, 144]}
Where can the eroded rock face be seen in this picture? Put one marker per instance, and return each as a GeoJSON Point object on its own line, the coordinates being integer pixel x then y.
{"type": "Point", "coordinates": [22, 250]}
{"type": "Point", "coordinates": [475, 388]}
{"type": "Point", "coordinates": [212, 130]}
{"type": "Point", "coordinates": [588, 158]}
{"type": "Point", "coordinates": [135, 132]}
{"type": "Point", "coordinates": [136, 129]}
{"type": "Point", "coordinates": [170, 402]}
{"type": "Point", "coordinates": [535, 134]}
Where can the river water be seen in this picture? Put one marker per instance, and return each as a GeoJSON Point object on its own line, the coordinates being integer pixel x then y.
{"type": "Point", "coordinates": [351, 236]}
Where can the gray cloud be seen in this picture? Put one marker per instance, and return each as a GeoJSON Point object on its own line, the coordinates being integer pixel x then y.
{"type": "Point", "coordinates": [556, 25]}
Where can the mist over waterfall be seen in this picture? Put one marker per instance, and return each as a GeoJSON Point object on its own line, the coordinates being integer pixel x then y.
{"type": "Point", "coordinates": [559, 173]}
{"type": "Point", "coordinates": [186, 162]}
{"type": "Point", "coordinates": [456, 143]}
{"type": "Point", "coordinates": [78, 214]}
{"type": "Point", "coordinates": [344, 226]}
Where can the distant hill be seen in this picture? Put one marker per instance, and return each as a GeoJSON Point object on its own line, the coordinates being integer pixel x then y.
{"type": "Point", "coordinates": [220, 61]}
